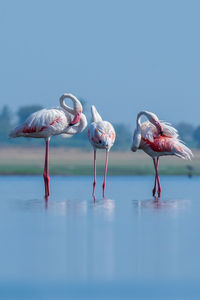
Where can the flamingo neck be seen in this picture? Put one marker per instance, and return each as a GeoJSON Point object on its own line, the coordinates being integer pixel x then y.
{"type": "Point", "coordinates": [148, 115]}
{"type": "Point", "coordinates": [138, 121]}
{"type": "Point", "coordinates": [77, 107]}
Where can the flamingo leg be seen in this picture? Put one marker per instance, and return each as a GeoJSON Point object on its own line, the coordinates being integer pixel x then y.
{"type": "Point", "coordinates": [94, 183]}
{"type": "Point", "coordinates": [155, 182]}
{"type": "Point", "coordinates": [106, 166]}
{"type": "Point", "coordinates": [158, 179]}
{"type": "Point", "coordinates": [46, 170]}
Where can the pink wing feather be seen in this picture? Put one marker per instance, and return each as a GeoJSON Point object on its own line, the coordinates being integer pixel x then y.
{"type": "Point", "coordinates": [43, 123]}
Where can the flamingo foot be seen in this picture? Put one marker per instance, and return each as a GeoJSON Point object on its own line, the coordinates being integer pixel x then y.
{"type": "Point", "coordinates": [154, 191]}
{"type": "Point", "coordinates": [94, 185]}
{"type": "Point", "coordinates": [103, 186]}
{"type": "Point", "coordinates": [46, 198]}
{"type": "Point", "coordinates": [94, 197]}
{"type": "Point", "coordinates": [159, 192]}
{"type": "Point", "coordinates": [46, 184]}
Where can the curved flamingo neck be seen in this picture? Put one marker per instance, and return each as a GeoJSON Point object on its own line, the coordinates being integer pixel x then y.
{"type": "Point", "coordinates": [139, 116]}
{"type": "Point", "coordinates": [151, 119]}
{"type": "Point", "coordinates": [142, 113]}
{"type": "Point", "coordinates": [77, 107]}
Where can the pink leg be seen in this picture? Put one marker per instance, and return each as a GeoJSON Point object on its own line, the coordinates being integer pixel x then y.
{"type": "Point", "coordinates": [106, 166]}
{"type": "Point", "coordinates": [46, 170]}
{"type": "Point", "coordinates": [155, 182]}
{"type": "Point", "coordinates": [94, 183]}
{"type": "Point", "coordinates": [158, 179]}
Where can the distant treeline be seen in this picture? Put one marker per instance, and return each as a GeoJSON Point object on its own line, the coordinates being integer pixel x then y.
{"type": "Point", "coordinates": [188, 133]}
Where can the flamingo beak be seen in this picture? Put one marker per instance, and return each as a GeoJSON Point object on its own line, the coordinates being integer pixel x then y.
{"type": "Point", "coordinates": [76, 119]}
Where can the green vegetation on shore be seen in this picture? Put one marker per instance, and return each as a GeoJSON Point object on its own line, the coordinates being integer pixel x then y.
{"type": "Point", "coordinates": [30, 161]}
{"type": "Point", "coordinates": [83, 170]}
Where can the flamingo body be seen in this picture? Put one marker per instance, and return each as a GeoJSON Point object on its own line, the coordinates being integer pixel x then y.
{"type": "Point", "coordinates": [167, 143]}
{"type": "Point", "coordinates": [46, 123]}
{"type": "Point", "coordinates": [101, 135]}
{"type": "Point", "coordinates": [158, 138]}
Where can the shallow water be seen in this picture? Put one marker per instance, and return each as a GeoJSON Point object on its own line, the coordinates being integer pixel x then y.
{"type": "Point", "coordinates": [128, 246]}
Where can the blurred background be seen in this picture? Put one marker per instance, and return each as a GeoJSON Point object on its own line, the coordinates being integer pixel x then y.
{"type": "Point", "coordinates": [122, 56]}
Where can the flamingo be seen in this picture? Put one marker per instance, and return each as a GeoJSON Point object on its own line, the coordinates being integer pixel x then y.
{"type": "Point", "coordinates": [157, 138]}
{"type": "Point", "coordinates": [101, 135]}
{"type": "Point", "coordinates": [46, 123]}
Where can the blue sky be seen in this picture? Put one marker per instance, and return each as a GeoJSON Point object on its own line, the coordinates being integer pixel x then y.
{"type": "Point", "coordinates": [122, 56]}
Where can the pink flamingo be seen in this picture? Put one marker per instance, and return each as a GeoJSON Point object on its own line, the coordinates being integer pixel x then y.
{"type": "Point", "coordinates": [102, 136]}
{"type": "Point", "coordinates": [157, 138]}
{"type": "Point", "coordinates": [49, 122]}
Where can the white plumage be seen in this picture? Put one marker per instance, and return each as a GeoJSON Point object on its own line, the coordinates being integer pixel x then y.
{"type": "Point", "coordinates": [158, 138]}
{"type": "Point", "coordinates": [101, 135]}
{"type": "Point", "coordinates": [49, 122]}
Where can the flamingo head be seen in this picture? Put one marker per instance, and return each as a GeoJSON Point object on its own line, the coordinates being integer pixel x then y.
{"type": "Point", "coordinates": [76, 118]}
{"type": "Point", "coordinates": [102, 135]}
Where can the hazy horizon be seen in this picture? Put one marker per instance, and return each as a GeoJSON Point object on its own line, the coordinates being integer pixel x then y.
{"type": "Point", "coordinates": [122, 56]}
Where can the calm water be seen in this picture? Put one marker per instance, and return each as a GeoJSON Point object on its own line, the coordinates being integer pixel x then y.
{"type": "Point", "coordinates": [125, 247]}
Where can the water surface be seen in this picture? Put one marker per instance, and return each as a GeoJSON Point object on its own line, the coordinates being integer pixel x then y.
{"type": "Point", "coordinates": [128, 246]}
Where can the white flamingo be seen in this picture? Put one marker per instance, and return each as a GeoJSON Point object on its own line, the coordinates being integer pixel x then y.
{"type": "Point", "coordinates": [102, 136]}
{"type": "Point", "coordinates": [49, 122]}
{"type": "Point", "coordinates": [158, 138]}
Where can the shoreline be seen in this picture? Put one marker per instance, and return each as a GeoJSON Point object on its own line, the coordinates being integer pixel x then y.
{"type": "Point", "coordinates": [73, 162]}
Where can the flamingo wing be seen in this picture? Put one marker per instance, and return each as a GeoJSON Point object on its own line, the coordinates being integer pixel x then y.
{"type": "Point", "coordinates": [169, 130]}
{"type": "Point", "coordinates": [45, 122]}
{"type": "Point", "coordinates": [149, 130]}
{"type": "Point", "coordinates": [168, 146]}
{"type": "Point", "coordinates": [43, 119]}
{"type": "Point", "coordinates": [159, 144]}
